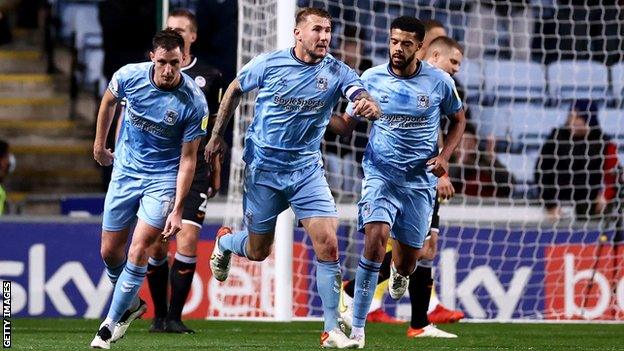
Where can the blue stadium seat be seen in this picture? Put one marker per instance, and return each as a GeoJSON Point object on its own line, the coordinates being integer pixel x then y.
{"type": "Point", "coordinates": [470, 75]}
{"type": "Point", "coordinates": [514, 81]}
{"type": "Point", "coordinates": [617, 78]}
{"type": "Point", "coordinates": [521, 127]}
{"type": "Point", "coordinates": [521, 166]}
{"type": "Point", "coordinates": [612, 123]}
{"type": "Point", "coordinates": [569, 79]}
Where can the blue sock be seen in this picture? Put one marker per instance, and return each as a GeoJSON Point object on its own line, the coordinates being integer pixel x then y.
{"type": "Point", "coordinates": [235, 242]}
{"type": "Point", "coordinates": [365, 284]}
{"type": "Point", "coordinates": [328, 280]}
{"type": "Point", "coordinates": [114, 272]}
{"type": "Point", "coordinates": [126, 289]}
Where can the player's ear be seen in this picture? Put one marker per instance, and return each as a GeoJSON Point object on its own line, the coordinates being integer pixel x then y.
{"type": "Point", "coordinates": [151, 55]}
{"type": "Point", "coordinates": [297, 33]}
{"type": "Point", "coordinates": [193, 37]}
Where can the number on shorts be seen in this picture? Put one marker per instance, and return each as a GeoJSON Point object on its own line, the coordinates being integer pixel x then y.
{"type": "Point", "coordinates": [204, 204]}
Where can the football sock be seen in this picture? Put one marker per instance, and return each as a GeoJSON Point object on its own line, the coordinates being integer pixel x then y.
{"type": "Point", "coordinates": [114, 271]}
{"type": "Point", "coordinates": [157, 278]}
{"type": "Point", "coordinates": [365, 284]}
{"type": "Point", "coordinates": [235, 242]}
{"type": "Point", "coordinates": [182, 272]}
{"type": "Point", "coordinates": [126, 290]}
{"type": "Point", "coordinates": [384, 274]}
{"type": "Point", "coordinates": [328, 285]}
{"type": "Point", "coordinates": [420, 285]}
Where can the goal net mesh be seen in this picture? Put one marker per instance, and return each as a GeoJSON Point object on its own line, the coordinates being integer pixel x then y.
{"type": "Point", "coordinates": [534, 229]}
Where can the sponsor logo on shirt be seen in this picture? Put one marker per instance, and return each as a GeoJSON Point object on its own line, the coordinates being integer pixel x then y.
{"type": "Point", "coordinates": [298, 104]}
{"type": "Point", "coordinates": [149, 126]}
{"type": "Point", "coordinates": [404, 121]}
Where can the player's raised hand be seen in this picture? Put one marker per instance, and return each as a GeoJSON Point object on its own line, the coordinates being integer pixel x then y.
{"type": "Point", "coordinates": [438, 166]}
{"type": "Point", "coordinates": [445, 188]}
{"type": "Point", "coordinates": [172, 226]}
{"type": "Point", "coordinates": [216, 146]}
{"type": "Point", "coordinates": [103, 156]}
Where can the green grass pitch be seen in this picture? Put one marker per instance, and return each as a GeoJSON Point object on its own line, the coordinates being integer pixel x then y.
{"type": "Point", "coordinates": [76, 334]}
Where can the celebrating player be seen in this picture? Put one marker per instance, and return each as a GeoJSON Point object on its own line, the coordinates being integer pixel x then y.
{"type": "Point", "coordinates": [401, 163]}
{"type": "Point", "coordinates": [209, 80]}
{"type": "Point", "coordinates": [297, 89]}
{"type": "Point", "coordinates": [165, 118]}
{"type": "Point", "coordinates": [446, 54]}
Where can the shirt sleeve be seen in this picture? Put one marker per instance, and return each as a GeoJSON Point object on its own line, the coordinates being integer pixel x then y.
{"type": "Point", "coordinates": [351, 84]}
{"type": "Point", "coordinates": [362, 86]}
{"type": "Point", "coordinates": [117, 83]}
{"type": "Point", "coordinates": [451, 102]}
{"type": "Point", "coordinates": [251, 75]}
{"type": "Point", "coordinates": [197, 123]}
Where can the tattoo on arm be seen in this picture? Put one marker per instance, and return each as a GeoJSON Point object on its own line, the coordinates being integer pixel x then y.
{"type": "Point", "coordinates": [229, 103]}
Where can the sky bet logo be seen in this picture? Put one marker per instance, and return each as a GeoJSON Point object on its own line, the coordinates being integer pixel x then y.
{"type": "Point", "coordinates": [6, 314]}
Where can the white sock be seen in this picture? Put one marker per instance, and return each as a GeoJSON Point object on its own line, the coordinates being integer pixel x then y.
{"type": "Point", "coordinates": [357, 331]}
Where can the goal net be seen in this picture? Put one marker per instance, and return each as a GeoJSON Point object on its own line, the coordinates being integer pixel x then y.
{"type": "Point", "coordinates": [534, 231]}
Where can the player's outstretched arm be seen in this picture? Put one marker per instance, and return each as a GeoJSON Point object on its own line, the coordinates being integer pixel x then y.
{"type": "Point", "coordinates": [231, 99]}
{"type": "Point", "coordinates": [364, 105]}
{"type": "Point", "coordinates": [439, 164]}
{"type": "Point", "coordinates": [342, 125]}
{"type": "Point", "coordinates": [106, 113]}
{"type": "Point", "coordinates": [186, 172]}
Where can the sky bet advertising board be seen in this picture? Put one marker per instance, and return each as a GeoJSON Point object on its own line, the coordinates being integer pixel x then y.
{"type": "Point", "coordinates": [55, 270]}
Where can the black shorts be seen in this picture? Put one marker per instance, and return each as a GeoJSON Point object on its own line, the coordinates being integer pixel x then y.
{"type": "Point", "coordinates": [195, 203]}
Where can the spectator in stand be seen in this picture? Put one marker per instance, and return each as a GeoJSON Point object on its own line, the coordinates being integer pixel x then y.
{"type": "Point", "coordinates": [578, 163]}
{"type": "Point", "coordinates": [477, 172]}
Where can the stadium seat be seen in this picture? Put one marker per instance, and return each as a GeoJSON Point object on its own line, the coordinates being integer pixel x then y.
{"type": "Point", "coordinates": [617, 78]}
{"type": "Point", "coordinates": [470, 77]}
{"type": "Point", "coordinates": [524, 126]}
{"type": "Point", "coordinates": [569, 79]}
{"type": "Point", "coordinates": [612, 123]}
{"type": "Point", "coordinates": [514, 81]}
{"type": "Point", "coordinates": [521, 166]}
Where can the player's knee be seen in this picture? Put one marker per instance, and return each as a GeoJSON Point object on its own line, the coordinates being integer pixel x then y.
{"type": "Point", "coordinates": [327, 248]}
{"type": "Point", "coordinates": [111, 256]}
{"type": "Point", "coordinates": [137, 253]}
{"type": "Point", "coordinates": [258, 253]}
{"type": "Point", "coordinates": [187, 249]}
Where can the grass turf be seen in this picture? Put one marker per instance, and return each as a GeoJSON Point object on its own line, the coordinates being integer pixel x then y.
{"type": "Point", "coordinates": [76, 334]}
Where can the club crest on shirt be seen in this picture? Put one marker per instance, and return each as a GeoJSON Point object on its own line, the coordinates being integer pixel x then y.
{"type": "Point", "coordinates": [422, 101]}
{"type": "Point", "coordinates": [366, 211]}
{"type": "Point", "coordinates": [170, 117]}
{"type": "Point", "coordinates": [200, 81]}
{"type": "Point", "coordinates": [321, 83]}
{"type": "Point", "coordinates": [384, 99]}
